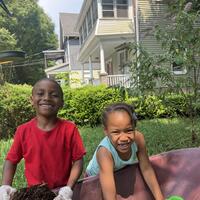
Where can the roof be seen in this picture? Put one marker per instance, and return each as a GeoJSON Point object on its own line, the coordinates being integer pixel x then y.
{"type": "Point", "coordinates": [54, 54]}
{"type": "Point", "coordinates": [68, 22]}
{"type": "Point", "coordinates": [63, 67]}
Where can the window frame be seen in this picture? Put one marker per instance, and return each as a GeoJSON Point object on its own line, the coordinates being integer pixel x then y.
{"type": "Point", "coordinates": [115, 9]}
{"type": "Point", "coordinates": [178, 72]}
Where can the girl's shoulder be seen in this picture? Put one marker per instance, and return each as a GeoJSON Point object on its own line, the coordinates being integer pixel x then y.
{"type": "Point", "coordinates": [139, 139]}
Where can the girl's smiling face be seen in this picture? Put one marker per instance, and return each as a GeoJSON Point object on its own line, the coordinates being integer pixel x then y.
{"type": "Point", "coordinates": [121, 132]}
{"type": "Point", "coordinates": [46, 98]}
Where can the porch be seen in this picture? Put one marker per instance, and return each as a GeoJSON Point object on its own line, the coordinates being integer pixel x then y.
{"type": "Point", "coordinates": [121, 80]}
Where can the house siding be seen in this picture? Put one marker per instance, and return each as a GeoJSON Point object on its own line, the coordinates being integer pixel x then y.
{"type": "Point", "coordinates": [114, 26]}
{"type": "Point", "coordinates": [73, 52]}
{"type": "Point", "coordinates": [151, 12]}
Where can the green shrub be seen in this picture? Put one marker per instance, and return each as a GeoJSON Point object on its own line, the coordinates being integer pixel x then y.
{"type": "Point", "coordinates": [175, 104]}
{"type": "Point", "coordinates": [84, 105]}
{"type": "Point", "coordinates": [15, 107]}
{"type": "Point", "coordinates": [169, 105]}
{"type": "Point", "coordinates": [148, 107]}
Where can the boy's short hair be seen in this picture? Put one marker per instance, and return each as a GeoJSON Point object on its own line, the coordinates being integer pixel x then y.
{"type": "Point", "coordinates": [51, 80]}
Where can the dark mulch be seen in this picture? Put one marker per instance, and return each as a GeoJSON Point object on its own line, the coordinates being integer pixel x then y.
{"type": "Point", "coordinates": [37, 192]}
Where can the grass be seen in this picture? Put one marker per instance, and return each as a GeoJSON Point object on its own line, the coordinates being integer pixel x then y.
{"type": "Point", "coordinates": [161, 135]}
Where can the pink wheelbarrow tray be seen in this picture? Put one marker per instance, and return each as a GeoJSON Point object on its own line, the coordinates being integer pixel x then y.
{"type": "Point", "coordinates": [178, 174]}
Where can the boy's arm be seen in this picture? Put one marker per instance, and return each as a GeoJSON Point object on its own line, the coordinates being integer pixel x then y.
{"type": "Point", "coordinates": [6, 191]}
{"type": "Point", "coordinates": [146, 168]}
{"type": "Point", "coordinates": [8, 172]}
{"type": "Point", "coordinates": [75, 173]}
{"type": "Point", "coordinates": [66, 193]}
{"type": "Point", "coordinates": [106, 175]}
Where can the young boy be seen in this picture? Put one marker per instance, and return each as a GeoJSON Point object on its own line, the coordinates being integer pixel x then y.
{"type": "Point", "coordinates": [122, 146]}
{"type": "Point", "coordinates": [51, 147]}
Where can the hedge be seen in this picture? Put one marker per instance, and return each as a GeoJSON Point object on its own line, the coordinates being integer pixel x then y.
{"type": "Point", "coordinates": [84, 105]}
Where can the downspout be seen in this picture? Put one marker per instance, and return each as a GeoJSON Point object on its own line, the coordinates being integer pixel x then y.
{"type": "Point", "coordinates": [137, 23]}
{"type": "Point", "coordinates": [68, 53]}
{"type": "Point", "coordinates": [91, 70]}
{"type": "Point", "coordinates": [69, 60]}
{"type": "Point", "coordinates": [137, 37]}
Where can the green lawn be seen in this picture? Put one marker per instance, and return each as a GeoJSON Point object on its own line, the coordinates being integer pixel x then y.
{"type": "Point", "coordinates": [161, 135]}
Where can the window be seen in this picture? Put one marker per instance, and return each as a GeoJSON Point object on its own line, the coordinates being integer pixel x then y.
{"type": "Point", "coordinates": [81, 35]}
{"type": "Point", "coordinates": [123, 58]}
{"type": "Point", "coordinates": [178, 69]}
{"type": "Point", "coordinates": [84, 30]}
{"type": "Point", "coordinates": [122, 8]}
{"type": "Point", "coordinates": [108, 8]}
{"type": "Point", "coordinates": [89, 20]}
{"type": "Point", "coordinates": [109, 67]}
{"type": "Point", "coordinates": [94, 11]}
{"type": "Point", "coordinates": [115, 8]}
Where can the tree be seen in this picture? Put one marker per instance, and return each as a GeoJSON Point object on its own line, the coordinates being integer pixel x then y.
{"type": "Point", "coordinates": [34, 32]}
{"type": "Point", "coordinates": [7, 40]}
{"type": "Point", "coordinates": [180, 41]}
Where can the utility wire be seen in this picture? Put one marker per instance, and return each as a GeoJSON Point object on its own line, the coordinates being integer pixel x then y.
{"type": "Point", "coordinates": [23, 65]}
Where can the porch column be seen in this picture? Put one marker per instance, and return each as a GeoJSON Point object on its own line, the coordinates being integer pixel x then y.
{"type": "Point", "coordinates": [91, 70]}
{"type": "Point", "coordinates": [103, 74]}
{"type": "Point", "coordinates": [82, 74]}
{"type": "Point", "coordinates": [45, 61]}
{"type": "Point", "coordinates": [68, 53]}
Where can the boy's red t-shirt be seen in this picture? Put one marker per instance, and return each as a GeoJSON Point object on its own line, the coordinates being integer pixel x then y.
{"type": "Point", "coordinates": [48, 155]}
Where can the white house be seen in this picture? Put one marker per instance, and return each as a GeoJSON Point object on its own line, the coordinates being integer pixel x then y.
{"type": "Point", "coordinates": [106, 26]}
{"type": "Point", "coordinates": [94, 41]}
{"type": "Point", "coordinates": [79, 73]}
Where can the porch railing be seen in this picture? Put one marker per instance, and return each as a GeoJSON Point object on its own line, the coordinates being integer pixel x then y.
{"type": "Point", "coordinates": [122, 80]}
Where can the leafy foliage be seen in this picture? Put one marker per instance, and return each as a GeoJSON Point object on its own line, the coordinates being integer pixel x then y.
{"type": "Point", "coordinates": [85, 105]}
{"type": "Point", "coordinates": [180, 41]}
{"type": "Point", "coordinates": [7, 40]}
{"type": "Point", "coordinates": [15, 107]}
{"type": "Point", "coordinates": [34, 32]}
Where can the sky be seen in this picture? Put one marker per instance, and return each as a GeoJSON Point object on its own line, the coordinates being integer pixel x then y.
{"type": "Point", "coordinates": [53, 7]}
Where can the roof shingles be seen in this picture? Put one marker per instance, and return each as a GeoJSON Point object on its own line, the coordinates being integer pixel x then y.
{"type": "Point", "coordinates": [68, 22]}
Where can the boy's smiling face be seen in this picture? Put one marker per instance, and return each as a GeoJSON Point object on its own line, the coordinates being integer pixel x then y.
{"type": "Point", "coordinates": [46, 98]}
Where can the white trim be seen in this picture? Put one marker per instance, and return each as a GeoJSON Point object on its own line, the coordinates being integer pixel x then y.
{"type": "Point", "coordinates": [179, 72]}
{"type": "Point", "coordinates": [184, 71]}
{"type": "Point", "coordinates": [56, 67]}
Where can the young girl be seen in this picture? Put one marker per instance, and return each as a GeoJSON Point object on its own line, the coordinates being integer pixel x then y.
{"type": "Point", "coordinates": [51, 147]}
{"type": "Point", "coordinates": [121, 146]}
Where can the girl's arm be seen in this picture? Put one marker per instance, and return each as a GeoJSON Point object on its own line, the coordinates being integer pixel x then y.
{"type": "Point", "coordinates": [75, 173]}
{"type": "Point", "coordinates": [8, 172]}
{"type": "Point", "coordinates": [146, 168]}
{"type": "Point", "coordinates": [106, 176]}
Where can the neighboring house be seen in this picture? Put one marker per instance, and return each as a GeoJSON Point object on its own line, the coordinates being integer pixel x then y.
{"type": "Point", "coordinates": [106, 26]}
{"type": "Point", "coordinates": [79, 73]}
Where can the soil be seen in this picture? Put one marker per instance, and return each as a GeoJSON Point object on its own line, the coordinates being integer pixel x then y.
{"type": "Point", "coordinates": [37, 192]}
